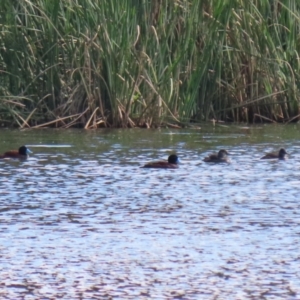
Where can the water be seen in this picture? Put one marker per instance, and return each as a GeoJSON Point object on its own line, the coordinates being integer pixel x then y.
{"type": "Point", "coordinates": [81, 220]}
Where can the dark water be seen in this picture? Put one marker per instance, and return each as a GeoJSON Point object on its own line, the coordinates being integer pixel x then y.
{"type": "Point", "coordinates": [81, 220]}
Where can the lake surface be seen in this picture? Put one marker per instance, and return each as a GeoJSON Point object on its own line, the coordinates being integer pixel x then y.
{"type": "Point", "coordinates": [80, 219]}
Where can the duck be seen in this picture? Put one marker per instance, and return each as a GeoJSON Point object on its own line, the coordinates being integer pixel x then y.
{"type": "Point", "coordinates": [281, 154]}
{"type": "Point", "coordinates": [22, 153]}
{"type": "Point", "coordinates": [217, 158]}
{"type": "Point", "coordinates": [172, 163]}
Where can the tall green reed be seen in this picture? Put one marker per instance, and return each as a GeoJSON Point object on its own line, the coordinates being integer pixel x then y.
{"type": "Point", "coordinates": [144, 63]}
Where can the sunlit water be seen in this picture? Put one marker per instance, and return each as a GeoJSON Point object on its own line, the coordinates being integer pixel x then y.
{"type": "Point", "coordinates": [81, 220]}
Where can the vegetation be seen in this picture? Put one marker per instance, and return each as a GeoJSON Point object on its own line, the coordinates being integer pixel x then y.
{"type": "Point", "coordinates": [147, 63]}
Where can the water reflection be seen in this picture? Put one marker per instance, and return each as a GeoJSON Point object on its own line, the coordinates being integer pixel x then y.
{"type": "Point", "coordinates": [86, 221]}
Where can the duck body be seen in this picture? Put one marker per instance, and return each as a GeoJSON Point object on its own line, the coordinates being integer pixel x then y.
{"type": "Point", "coordinates": [22, 153]}
{"type": "Point", "coordinates": [281, 154]}
{"type": "Point", "coordinates": [172, 163]}
{"type": "Point", "coordinates": [220, 157]}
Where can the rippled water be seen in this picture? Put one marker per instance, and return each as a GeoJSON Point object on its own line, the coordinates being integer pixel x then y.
{"type": "Point", "coordinates": [81, 220]}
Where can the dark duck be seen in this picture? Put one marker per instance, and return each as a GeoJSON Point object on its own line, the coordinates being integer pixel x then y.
{"type": "Point", "coordinates": [21, 153]}
{"type": "Point", "coordinates": [172, 163]}
{"type": "Point", "coordinates": [281, 154]}
{"type": "Point", "coordinates": [219, 157]}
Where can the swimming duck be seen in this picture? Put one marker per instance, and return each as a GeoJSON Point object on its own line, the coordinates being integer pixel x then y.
{"type": "Point", "coordinates": [281, 154]}
{"type": "Point", "coordinates": [21, 153]}
{"type": "Point", "coordinates": [172, 163]}
{"type": "Point", "coordinates": [217, 158]}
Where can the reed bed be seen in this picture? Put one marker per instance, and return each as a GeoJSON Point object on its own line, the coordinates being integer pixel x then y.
{"type": "Point", "coordinates": [112, 63]}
